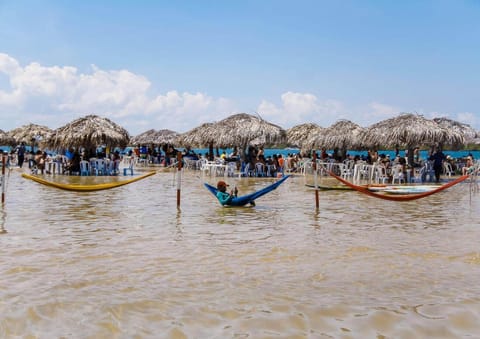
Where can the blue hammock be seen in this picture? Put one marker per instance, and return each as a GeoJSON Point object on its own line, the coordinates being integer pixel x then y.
{"type": "Point", "coordinates": [249, 198]}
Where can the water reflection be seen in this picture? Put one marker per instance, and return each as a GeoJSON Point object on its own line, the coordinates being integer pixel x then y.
{"type": "Point", "coordinates": [3, 217]}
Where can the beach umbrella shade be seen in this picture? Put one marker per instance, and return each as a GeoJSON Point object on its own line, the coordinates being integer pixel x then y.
{"type": "Point", "coordinates": [300, 135]}
{"type": "Point", "coordinates": [154, 137]}
{"type": "Point", "coordinates": [89, 132]}
{"type": "Point", "coordinates": [165, 136]}
{"type": "Point", "coordinates": [200, 136]}
{"type": "Point", "coordinates": [342, 135]}
{"type": "Point", "coordinates": [240, 129]}
{"type": "Point", "coordinates": [31, 133]}
{"type": "Point", "coordinates": [466, 130]}
{"type": "Point", "coordinates": [243, 129]}
{"type": "Point", "coordinates": [409, 130]}
{"type": "Point", "coordinates": [5, 139]}
{"type": "Point", "coordinates": [147, 137]}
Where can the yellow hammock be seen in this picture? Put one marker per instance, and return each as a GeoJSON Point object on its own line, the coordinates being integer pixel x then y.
{"type": "Point", "coordinates": [85, 188]}
{"type": "Point", "coordinates": [363, 189]}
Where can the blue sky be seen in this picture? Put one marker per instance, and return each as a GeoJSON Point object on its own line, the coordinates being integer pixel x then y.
{"type": "Point", "coordinates": [175, 65]}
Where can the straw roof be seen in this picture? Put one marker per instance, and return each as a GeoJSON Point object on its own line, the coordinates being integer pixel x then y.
{"type": "Point", "coordinates": [457, 127]}
{"type": "Point", "coordinates": [5, 139]}
{"type": "Point", "coordinates": [344, 134]}
{"type": "Point", "coordinates": [154, 137]}
{"type": "Point", "coordinates": [89, 132]}
{"type": "Point", "coordinates": [236, 130]}
{"type": "Point", "coordinates": [31, 131]}
{"type": "Point", "coordinates": [408, 130]}
{"type": "Point", "coordinates": [300, 135]}
{"type": "Point", "coordinates": [199, 136]}
{"type": "Point", "coordinates": [241, 129]}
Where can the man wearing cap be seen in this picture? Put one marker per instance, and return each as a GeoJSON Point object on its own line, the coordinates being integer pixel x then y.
{"type": "Point", "coordinates": [222, 195]}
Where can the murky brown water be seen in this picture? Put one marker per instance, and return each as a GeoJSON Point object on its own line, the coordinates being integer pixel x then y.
{"type": "Point", "coordinates": [124, 263]}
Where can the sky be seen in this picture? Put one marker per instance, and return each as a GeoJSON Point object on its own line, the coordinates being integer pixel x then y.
{"type": "Point", "coordinates": [177, 64]}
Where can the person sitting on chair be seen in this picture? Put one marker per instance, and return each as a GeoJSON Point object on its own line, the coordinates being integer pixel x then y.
{"type": "Point", "coordinates": [223, 196]}
{"type": "Point", "coordinates": [74, 164]}
{"type": "Point", "coordinates": [469, 167]}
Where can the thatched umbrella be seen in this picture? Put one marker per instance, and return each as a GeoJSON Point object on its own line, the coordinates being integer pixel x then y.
{"type": "Point", "coordinates": [166, 136]}
{"type": "Point", "coordinates": [5, 139]}
{"type": "Point", "coordinates": [236, 130]}
{"type": "Point", "coordinates": [200, 136]}
{"type": "Point", "coordinates": [409, 130]}
{"type": "Point", "coordinates": [89, 132]}
{"type": "Point", "coordinates": [147, 137]}
{"type": "Point", "coordinates": [241, 129]}
{"type": "Point", "coordinates": [342, 135]}
{"type": "Point", "coordinates": [31, 133]}
{"type": "Point", "coordinates": [154, 137]}
{"type": "Point", "coordinates": [457, 127]}
{"type": "Point", "coordinates": [300, 135]}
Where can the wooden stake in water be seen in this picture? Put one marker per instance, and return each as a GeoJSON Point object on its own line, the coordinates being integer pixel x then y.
{"type": "Point", "coordinates": [2, 179]}
{"type": "Point", "coordinates": [315, 179]}
{"type": "Point", "coordinates": [179, 177]}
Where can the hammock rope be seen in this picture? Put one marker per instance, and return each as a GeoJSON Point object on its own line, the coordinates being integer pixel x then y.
{"type": "Point", "coordinates": [408, 197]}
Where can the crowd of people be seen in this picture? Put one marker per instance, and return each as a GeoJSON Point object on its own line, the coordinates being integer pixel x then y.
{"type": "Point", "coordinates": [253, 163]}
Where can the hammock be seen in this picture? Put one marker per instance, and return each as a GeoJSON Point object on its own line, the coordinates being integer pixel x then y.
{"type": "Point", "coordinates": [407, 197]}
{"type": "Point", "coordinates": [245, 199]}
{"type": "Point", "coordinates": [85, 188]}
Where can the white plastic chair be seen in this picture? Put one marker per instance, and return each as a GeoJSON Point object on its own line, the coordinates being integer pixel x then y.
{"type": "Point", "coordinates": [259, 169]}
{"type": "Point", "coordinates": [231, 168]}
{"type": "Point", "coordinates": [397, 174]}
{"type": "Point", "coordinates": [248, 171]}
{"type": "Point", "coordinates": [419, 174]}
{"type": "Point", "coordinates": [447, 169]}
{"type": "Point", "coordinates": [380, 173]}
{"type": "Point", "coordinates": [131, 164]}
{"type": "Point", "coordinates": [100, 167]}
{"type": "Point", "coordinates": [84, 168]}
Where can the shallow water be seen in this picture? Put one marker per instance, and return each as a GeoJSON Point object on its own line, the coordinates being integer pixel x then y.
{"type": "Point", "coordinates": [126, 263]}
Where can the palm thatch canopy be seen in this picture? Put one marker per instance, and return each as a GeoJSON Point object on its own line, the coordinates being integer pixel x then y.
{"type": "Point", "coordinates": [240, 129]}
{"type": "Point", "coordinates": [5, 139]}
{"type": "Point", "coordinates": [343, 135]}
{"type": "Point", "coordinates": [27, 133]}
{"type": "Point", "coordinates": [409, 130]}
{"type": "Point", "coordinates": [300, 135]}
{"type": "Point", "coordinates": [199, 136]}
{"type": "Point", "coordinates": [90, 132]}
{"type": "Point", "coordinates": [154, 137]}
{"type": "Point", "coordinates": [236, 130]}
{"type": "Point", "coordinates": [466, 130]}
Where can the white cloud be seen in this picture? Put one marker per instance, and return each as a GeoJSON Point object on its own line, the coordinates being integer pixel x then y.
{"type": "Point", "coordinates": [469, 118]}
{"type": "Point", "coordinates": [376, 112]}
{"type": "Point", "coordinates": [298, 108]}
{"type": "Point", "coordinates": [55, 95]}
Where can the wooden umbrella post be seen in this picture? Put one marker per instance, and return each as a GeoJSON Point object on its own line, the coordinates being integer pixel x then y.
{"type": "Point", "coordinates": [2, 179]}
{"type": "Point", "coordinates": [315, 179]}
{"type": "Point", "coordinates": [179, 177]}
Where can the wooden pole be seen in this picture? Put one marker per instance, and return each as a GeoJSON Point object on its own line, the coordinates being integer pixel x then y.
{"type": "Point", "coordinates": [315, 179]}
{"type": "Point", "coordinates": [179, 177]}
{"type": "Point", "coordinates": [3, 177]}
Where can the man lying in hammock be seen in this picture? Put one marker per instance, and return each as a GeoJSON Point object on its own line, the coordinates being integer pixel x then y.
{"type": "Point", "coordinates": [223, 196]}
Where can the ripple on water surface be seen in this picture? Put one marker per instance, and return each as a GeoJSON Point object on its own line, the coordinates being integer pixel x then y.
{"type": "Point", "coordinates": [126, 262]}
